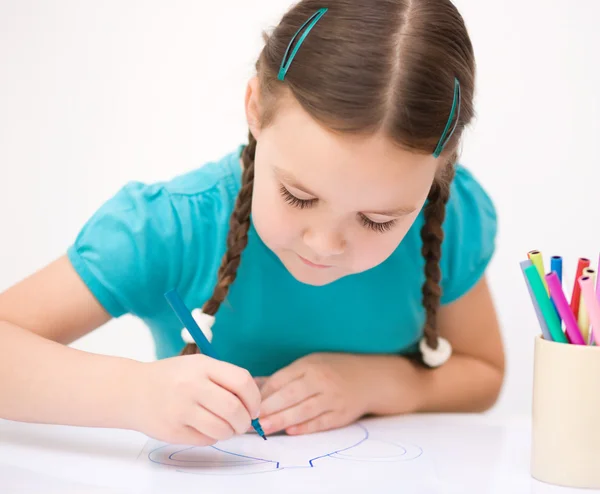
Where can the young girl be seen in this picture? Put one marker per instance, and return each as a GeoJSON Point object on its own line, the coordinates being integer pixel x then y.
{"type": "Point", "coordinates": [342, 252]}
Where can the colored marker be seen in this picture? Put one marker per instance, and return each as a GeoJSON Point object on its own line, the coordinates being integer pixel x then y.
{"type": "Point", "coordinates": [575, 296]}
{"type": "Point", "coordinates": [186, 318]}
{"type": "Point", "coordinates": [538, 261]}
{"type": "Point", "coordinates": [591, 302]}
{"type": "Point", "coordinates": [562, 306]}
{"type": "Point", "coordinates": [598, 281]}
{"type": "Point", "coordinates": [583, 319]}
{"type": "Point", "coordinates": [548, 312]}
{"type": "Point", "coordinates": [556, 265]}
{"type": "Point", "coordinates": [536, 305]}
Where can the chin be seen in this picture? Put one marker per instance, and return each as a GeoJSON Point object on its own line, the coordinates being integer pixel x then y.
{"type": "Point", "coordinates": [312, 276]}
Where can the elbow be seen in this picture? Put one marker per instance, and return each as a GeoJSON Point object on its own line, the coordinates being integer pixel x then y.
{"type": "Point", "coordinates": [493, 380]}
{"type": "Point", "coordinates": [491, 388]}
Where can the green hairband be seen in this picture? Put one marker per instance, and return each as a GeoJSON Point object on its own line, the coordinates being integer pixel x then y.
{"type": "Point", "coordinates": [310, 23]}
{"type": "Point", "coordinates": [286, 62]}
{"type": "Point", "coordinates": [455, 109]}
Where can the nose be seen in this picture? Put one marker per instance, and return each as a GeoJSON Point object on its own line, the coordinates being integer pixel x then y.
{"type": "Point", "coordinates": [324, 242]}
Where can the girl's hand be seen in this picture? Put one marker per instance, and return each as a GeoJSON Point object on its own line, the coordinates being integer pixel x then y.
{"type": "Point", "coordinates": [194, 399]}
{"type": "Point", "coordinates": [318, 392]}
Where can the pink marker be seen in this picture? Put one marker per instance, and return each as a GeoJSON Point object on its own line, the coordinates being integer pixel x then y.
{"type": "Point", "coordinates": [565, 312]}
{"type": "Point", "coordinates": [598, 281]}
{"type": "Point", "coordinates": [591, 305]}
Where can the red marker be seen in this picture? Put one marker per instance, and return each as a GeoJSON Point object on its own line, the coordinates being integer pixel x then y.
{"type": "Point", "coordinates": [581, 265]}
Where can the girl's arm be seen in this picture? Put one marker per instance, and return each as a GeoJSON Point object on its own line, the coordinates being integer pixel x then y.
{"type": "Point", "coordinates": [188, 400]}
{"type": "Point", "coordinates": [327, 390]}
{"type": "Point", "coordinates": [324, 391]}
{"type": "Point", "coordinates": [472, 378]}
{"type": "Point", "coordinates": [41, 379]}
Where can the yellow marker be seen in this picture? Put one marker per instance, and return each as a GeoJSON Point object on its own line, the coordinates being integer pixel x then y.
{"type": "Point", "coordinates": [583, 318]}
{"type": "Point", "coordinates": [535, 256]}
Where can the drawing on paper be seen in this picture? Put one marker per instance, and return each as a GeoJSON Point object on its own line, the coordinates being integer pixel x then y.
{"type": "Point", "coordinates": [245, 454]}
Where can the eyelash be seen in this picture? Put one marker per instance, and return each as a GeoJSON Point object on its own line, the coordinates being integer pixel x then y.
{"type": "Point", "coordinates": [292, 200]}
{"type": "Point", "coordinates": [377, 227]}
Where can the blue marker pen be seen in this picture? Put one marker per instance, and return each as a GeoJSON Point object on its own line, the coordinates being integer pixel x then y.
{"type": "Point", "coordinates": [186, 318]}
{"type": "Point", "coordinates": [556, 266]}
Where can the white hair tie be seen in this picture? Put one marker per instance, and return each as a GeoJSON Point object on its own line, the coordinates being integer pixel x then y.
{"type": "Point", "coordinates": [437, 357]}
{"type": "Point", "coordinates": [204, 322]}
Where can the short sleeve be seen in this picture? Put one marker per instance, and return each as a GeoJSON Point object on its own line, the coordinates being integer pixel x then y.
{"type": "Point", "coordinates": [470, 230]}
{"type": "Point", "coordinates": [126, 253]}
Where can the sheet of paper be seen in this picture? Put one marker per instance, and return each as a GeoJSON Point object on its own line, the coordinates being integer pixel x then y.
{"type": "Point", "coordinates": [427, 454]}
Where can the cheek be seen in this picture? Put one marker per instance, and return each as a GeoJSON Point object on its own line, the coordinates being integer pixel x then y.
{"type": "Point", "coordinates": [273, 219]}
{"type": "Point", "coordinates": [371, 248]}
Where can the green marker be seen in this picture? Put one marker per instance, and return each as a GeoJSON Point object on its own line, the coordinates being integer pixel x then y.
{"type": "Point", "coordinates": [539, 291]}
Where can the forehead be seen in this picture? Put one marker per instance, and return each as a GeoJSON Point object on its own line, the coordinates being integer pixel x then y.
{"type": "Point", "coordinates": [331, 163]}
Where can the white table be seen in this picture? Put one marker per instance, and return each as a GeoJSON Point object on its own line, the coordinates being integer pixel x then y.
{"type": "Point", "coordinates": [461, 453]}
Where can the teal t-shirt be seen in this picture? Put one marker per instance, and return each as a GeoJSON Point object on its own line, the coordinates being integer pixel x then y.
{"type": "Point", "coordinates": [150, 238]}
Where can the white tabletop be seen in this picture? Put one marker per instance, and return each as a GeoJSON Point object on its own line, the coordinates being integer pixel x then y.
{"type": "Point", "coordinates": [450, 454]}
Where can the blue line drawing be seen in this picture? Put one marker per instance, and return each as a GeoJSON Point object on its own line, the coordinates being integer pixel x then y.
{"type": "Point", "coordinates": [363, 439]}
{"type": "Point", "coordinates": [243, 455]}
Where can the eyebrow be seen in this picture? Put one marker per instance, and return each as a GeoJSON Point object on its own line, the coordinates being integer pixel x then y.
{"type": "Point", "coordinates": [401, 211]}
{"type": "Point", "coordinates": [286, 176]}
{"type": "Point", "coordinates": [292, 181]}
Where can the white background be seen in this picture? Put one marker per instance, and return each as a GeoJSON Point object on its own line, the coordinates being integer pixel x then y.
{"type": "Point", "coordinates": [94, 94]}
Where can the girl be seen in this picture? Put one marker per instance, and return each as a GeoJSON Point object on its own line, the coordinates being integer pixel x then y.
{"type": "Point", "coordinates": [340, 253]}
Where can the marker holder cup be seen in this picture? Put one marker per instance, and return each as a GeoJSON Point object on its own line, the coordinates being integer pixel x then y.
{"type": "Point", "coordinates": [565, 447]}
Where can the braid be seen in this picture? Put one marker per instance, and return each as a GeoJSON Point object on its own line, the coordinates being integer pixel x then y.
{"type": "Point", "coordinates": [237, 237]}
{"type": "Point", "coordinates": [432, 235]}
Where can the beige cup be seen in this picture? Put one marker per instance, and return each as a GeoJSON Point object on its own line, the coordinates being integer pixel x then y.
{"type": "Point", "coordinates": [565, 447]}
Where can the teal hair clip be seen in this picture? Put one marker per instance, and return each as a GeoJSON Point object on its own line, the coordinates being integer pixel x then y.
{"type": "Point", "coordinates": [286, 62]}
{"type": "Point", "coordinates": [455, 109]}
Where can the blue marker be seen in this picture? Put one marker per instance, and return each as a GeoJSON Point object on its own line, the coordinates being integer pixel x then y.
{"type": "Point", "coordinates": [556, 266]}
{"type": "Point", "coordinates": [186, 318]}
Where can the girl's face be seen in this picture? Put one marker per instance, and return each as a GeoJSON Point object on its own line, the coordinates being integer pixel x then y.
{"type": "Point", "coordinates": [331, 205]}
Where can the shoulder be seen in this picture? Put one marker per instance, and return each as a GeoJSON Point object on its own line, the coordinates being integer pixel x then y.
{"type": "Point", "coordinates": [220, 177]}
{"type": "Point", "coordinates": [149, 237]}
{"type": "Point", "coordinates": [160, 207]}
{"type": "Point", "coordinates": [217, 180]}
{"type": "Point", "coordinates": [470, 230]}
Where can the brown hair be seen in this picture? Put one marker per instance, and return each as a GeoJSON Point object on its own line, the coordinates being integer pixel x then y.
{"type": "Point", "coordinates": [369, 66]}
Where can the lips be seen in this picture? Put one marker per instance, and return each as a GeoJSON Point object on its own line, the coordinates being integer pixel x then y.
{"type": "Point", "coordinates": [312, 264]}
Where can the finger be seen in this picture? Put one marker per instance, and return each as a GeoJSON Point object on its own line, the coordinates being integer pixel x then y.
{"type": "Point", "coordinates": [187, 435]}
{"type": "Point", "coordinates": [239, 382]}
{"type": "Point", "coordinates": [260, 381]}
{"type": "Point", "coordinates": [209, 424]}
{"type": "Point", "coordinates": [298, 414]}
{"type": "Point", "coordinates": [225, 405]}
{"type": "Point", "coordinates": [281, 378]}
{"type": "Point", "coordinates": [324, 422]}
{"type": "Point", "coordinates": [286, 397]}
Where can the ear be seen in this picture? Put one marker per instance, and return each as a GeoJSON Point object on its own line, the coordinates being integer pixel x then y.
{"type": "Point", "coordinates": [252, 104]}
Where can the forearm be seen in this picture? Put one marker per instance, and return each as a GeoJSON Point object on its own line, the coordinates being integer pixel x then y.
{"type": "Point", "coordinates": [46, 382]}
{"type": "Point", "coordinates": [463, 384]}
